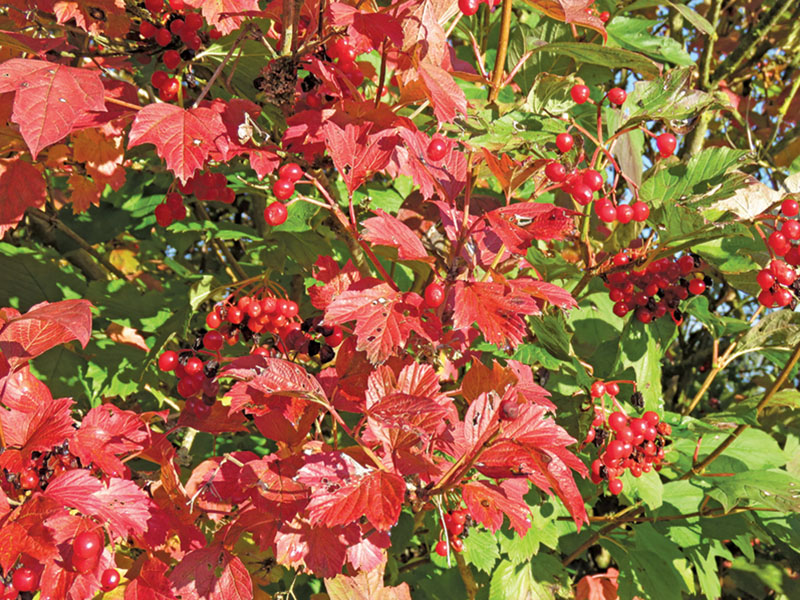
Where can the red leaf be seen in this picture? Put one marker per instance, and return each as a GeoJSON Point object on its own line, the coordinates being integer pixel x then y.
{"type": "Point", "coordinates": [487, 503]}
{"type": "Point", "coordinates": [43, 327]}
{"type": "Point", "coordinates": [184, 138]}
{"type": "Point", "coordinates": [384, 318]}
{"type": "Point", "coordinates": [366, 585]}
{"type": "Point", "coordinates": [25, 533]}
{"type": "Point", "coordinates": [322, 549]}
{"type": "Point", "coordinates": [375, 27]}
{"type": "Point", "coordinates": [149, 582]}
{"type": "Point", "coordinates": [549, 292]}
{"type": "Point", "coordinates": [222, 13]}
{"type": "Point", "coordinates": [446, 177]}
{"type": "Point", "coordinates": [369, 554]}
{"type": "Point", "coordinates": [356, 152]}
{"type": "Point", "coordinates": [336, 281]}
{"type": "Point", "coordinates": [106, 432]}
{"type": "Point", "coordinates": [386, 230]}
{"type": "Point", "coordinates": [342, 491]}
{"type": "Point", "coordinates": [495, 308]}
{"type": "Point", "coordinates": [21, 185]}
{"type": "Point", "coordinates": [217, 481]}
{"type": "Point", "coordinates": [211, 573]}
{"type": "Point", "coordinates": [446, 96]}
{"type": "Point", "coordinates": [119, 503]}
{"type": "Point", "coordinates": [601, 586]}
{"type": "Point", "coordinates": [578, 12]}
{"type": "Point", "coordinates": [274, 489]}
{"type": "Point", "coordinates": [50, 98]}
{"type": "Point", "coordinates": [272, 376]}
{"type": "Point", "coordinates": [47, 425]}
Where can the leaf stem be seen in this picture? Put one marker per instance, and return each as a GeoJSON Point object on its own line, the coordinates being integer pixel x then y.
{"type": "Point", "coordinates": [502, 50]}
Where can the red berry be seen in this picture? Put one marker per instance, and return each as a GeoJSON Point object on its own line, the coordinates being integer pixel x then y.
{"type": "Point", "coordinates": [434, 295]}
{"type": "Point", "coordinates": [436, 149]}
{"type": "Point", "coordinates": [441, 548]}
{"type": "Point", "coordinates": [686, 264]}
{"type": "Point", "coordinates": [168, 360]}
{"type": "Point", "coordinates": [790, 207]}
{"type": "Point", "coordinates": [616, 420]}
{"type": "Point", "coordinates": [598, 389]}
{"type": "Point", "coordinates": [147, 29]}
{"type": "Point", "coordinates": [607, 212]}
{"type": "Point", "coordinates": [177, 5]}
{"type": "Point", "coordinates": [336, 337]}
{"type": "Point", "coordinates": [784, 274]}
{"type": "Point", "coordinates": [28, 479]}
{"type": "Point", "coordinates": [697, 286]}
{"type": "Point", "coordinates": [765, 298]}
{"type": "Point", "coordinates": [593, 180]}
{"type": "Point", "coordinates": [164, 215]}
{"type": "Point", "coordinates": [193, 21]}
{"type": "Point", "coordinates": [604, 16]}
{"type": "Point", "coordinates": [235, 315]}
{"type": "Point", "coordinates": [617, 96]}
{"type": "Point", "coordinates": [624, 214]}
{"type": "Point", "coordinates": [177, 26]}
{"type": "Point", "coordinates": [213, 341]}
{"type": "Point", "coordinates": [163, 37]}
{"type": "Point", "coordinates": [283, 189]}
{"type": "Point", "coordinates": [666, 144]}
{"type": "Point", "coordinates": [25, 580]}
{"type": "Point", "coordinates": [343, 50]}
{"type": "Point", "coordinates": [109, 579]}
{"type": "Point", "coordinates": [171, 58]}
{"type": "Point", "coordinates": [612, 388]}
{"type": "Point", "coordinates": [651, 418]}
{"type": "Point", "coordinates": [291, 171]}
{"type": "Point", "coordinates": [615, 486]}
{"type": "Point", "coordinates": [644, 315]}
{"type": "Point", "coordinates": [778, 242]}
{"type": "Point", "coordinates": [213, 320]}
{"type": "Point", "coordinates": [616, 450]}
{"type": "Point", "coordinates": [621, 259]}
{"type": "Point", "coordinates": [579, 93]}
{"type": "Point", "coordinates": [269, 305]}
{"type": "Point", "coordinates": [555, 171]}
{"type": "Point", "coordinates": [791, 229]}
{"type": "Point", "coordinates": [289, 309]}
{"type": "Point", "coordinates": [640, 211]}
{"type": "Point", "coordinates": [620, 309]}
{"type": "Point", "coordinates": [169, 91]}
{"type": "Point", "coordinates": [88, 544]}
{"type": "Point", "coordinates": [158, 79]}
{"type": "Point", "coordinates": [509, 410]}
{"type": "Point", "coordinates": [275, 214]}
{"type": "Point", "coordinates": [154, 6]}
{"type": "Point", "coordinates": [782, 297]}
{"type": "Point", "coordinates": [468, 8]}
{"type": "Point", "coordinates": [193, 366]}
{"type": "Point", "coordinates": [581, 193]}
{"type": "Point", "coordinates": [564, 142]}
{"type": "Point", "coordinates": [458, 544]}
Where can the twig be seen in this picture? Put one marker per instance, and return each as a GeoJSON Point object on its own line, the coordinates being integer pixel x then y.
{"type": "Point", "coordinates": [288, 27]}
{"type": "Point", "coordinates": [220, 66]}
{"type": "Point", "coordinates": [466, 575]}
{"type": "Point", "coordinates": [502, 50]}
{"type": "Point", "coordinates": [782, 377]}
{"type": "Point", "coordinates": [220, 246]}
{"type": "Point", "coordinates": [592, 539]}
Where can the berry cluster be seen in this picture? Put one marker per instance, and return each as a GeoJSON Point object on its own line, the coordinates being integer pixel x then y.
{"type": "Point", "coordinates": [344, 53]}
{"type": "Point", "coordinates": [634, 444]}
{"type": "Point", "coordinates": [206, 186]}
{"type": "Point", "coordinates": [180, 32]}
{"type": "Point", "coordinates": [283, 188]}
{"type": "Point", "coordinates": [779, 283]}
{"type": "Point", "coordinates": [655, 290]}
{"type": "Point", "coordinates": [86, 550]}
{"type": "Point", "coordinates": [43, 467]}
{"type": "Point", "coordinates": [457, 522]}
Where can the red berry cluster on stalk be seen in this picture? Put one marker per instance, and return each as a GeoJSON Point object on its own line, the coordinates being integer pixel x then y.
{"type": "Point", "coordinates": [457, 523]}
{"type": "Point", "coordinates": [634, 444]}
{"type": "Point", "coordinates": [283, 188]}
{"type": "Point", "coordinates": [778, 281]}
{"type": "Point", "coordinates": [655, 290]}
{"type": "Point", "coordinates": [42, 468]}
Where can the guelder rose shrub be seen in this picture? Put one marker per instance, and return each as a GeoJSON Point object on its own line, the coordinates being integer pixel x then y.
{"type": "Point", "coordinates": [384, 300]}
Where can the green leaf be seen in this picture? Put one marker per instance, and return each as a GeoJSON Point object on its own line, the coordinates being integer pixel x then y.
{"type": "Point", "coordinates": [777, 329]}
{"type": "Point", "coordinates": [695, 18]}
{"type": "Point", "coordinates": [647, 487]}
{"type": "Point", "coordinates": [635, 34]}
{"type": "Point", "coordinates": [543, 531]}
{"type": "Point", "coordinates": [515, 582]}
{"type": "Point", "coordinates": [773, 489]}
{"type": "Point", "coordinates": [28, 277]}
{"type": "Point", "coordinates": [639, 351]}
{"type": "Point", "coordinates": [551, 332]}
{"type": "Point", "coordinates": [480, 550]}
{"type": "Point", "coordinates": [697, 306]}
{"type": "Point", "coordinates": [605, 56]}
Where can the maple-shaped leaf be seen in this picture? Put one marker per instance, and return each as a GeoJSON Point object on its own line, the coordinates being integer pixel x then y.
{"type": "Point", "coordinates": [366, 585]}
{"type": "Point", "coordinates": [21, 185]}
{"type": "Point", "coordinates": [259, 374]}
{"type": "Point", "coordinates": [43, 327]}
{"type": "Point", "coordinates": [222, 14]}
{"type": "Point", "coordinates": [107, 432]}
{"type": "Point", "coordinates": [335, 281]}
{"type": "Point", "coordinates": [447, 98]}
{"type": "Point", "coordinates": [519, 224]}
{"type": "Point", "coordinates": [543, 290]}
{"type": "Point", "coordinates": [357, 152]}
{"type": "Point", "coordinates": [211, 573]}
{"type": "Point", "coordinates": [487, 503]}
{"type": "Point", "coordinates": [24, 532]}
{"type": "Point", "coordinates": [147, 580]}
{"type": "Point", "coordinates": [369, 553]}
{"type": "Point", "coordinates": [384, 317]}
{"type": "Point", "coordinates": [495, 308]}
{"type": "Point", "coordinates": [574, 12]}
{"type": "Point", "coordinates": [367, 30]}
{"type": "Point", "coordinates": [49, 98]}
{"type": "Point", "coordinates": [102, 156]}
{"type": "Point", "coordinates": [446, 177]}
{"type": "Point", "coordinates": [274, 488]}
{"type": "Point", "coordinates": [386, 230]}
{"type": "Point", "coordinates": [183, 138]}
{"type": "Point", "coordinates": [84, 193]}
{"type": "Point", "coordinates": [322, 549]}
{"type": "Point", "coordinates": [47, 425]}
{"type": "Point", "coordinates": [215, 483]}
{"type": "Point", "coordinates": [342, 491]}
{"type": "Point", "coordinates": [119, 502]}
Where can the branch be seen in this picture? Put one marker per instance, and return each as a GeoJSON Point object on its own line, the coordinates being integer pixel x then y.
{"type": "Point", "coordinates": [715, 454]}
{"type": "Point", "coordinates": [466, 574]}
{"type": "Point", "coordinates": [750, 41]}
{"type": "Point", "coordinates": [221, 66]}
{"type": "Point", "coordinates": [220, 246]}
{"type": "Point", "coordinates": [619, 519]}
{"type": "Point", "coordinates": [502, 50]}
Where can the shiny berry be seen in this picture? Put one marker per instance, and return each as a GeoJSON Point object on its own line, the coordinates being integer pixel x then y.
{"type": "Point", "coordinates": [154, 6]}
{"type": "Point", "coordinates": [441, 548]}
{"type": "Point", "coordinates": [612, 388]}
{"type": "Point", "coordinates": [458, 544]}
{"type": "Point", "coordinates": [171, 59]}
{"type": "Point", "coordinates": [436, 149]}
{"type": "Point", "coordinates": [564, 142]}
{"type": "Point", "coordinates": [25, 580]}
{"type": "Point", "coordinates": [666, 144]}
{"type": "Point", "coordinates": [168, 360]}
{"type": "Point", "coordinates": [617, 96]}
{"type": "Point", "coordinates": [779, 243]}
{"type": "Point", "coordinates": [615, 486]}
{"type": "Point", "coordinates": [291, 171]}
{"type": "Point", "coordinates": [289, 309]}
{"type": "Point", "coordinates": [158, 79]}
{"type": "Point", "coordinates": [579, 93]}
{"type": "Point", "coordinates": [790, 207]}
{"type": "Point", "coordinates": [275, 214]}
{"type": "Point", "coordinates": [555, 171]}
{"type": "Point", "coordinates": [624, 214]}
{"type": "Point", "coordinates": [213, 320]}
{"type": "Point", "coordinates": [28, 479]}
{"type": "Point", "coordinates": [434, 295]}
{"type": "Point", "coordinates": [468, 8]}
{"type": "Point", "coordinates": [169, 91]}
{"type": "Point", "coordinates": [581, 193]}
{"type": "Point", "coordinates": [640, 211]}
{"type": "Point", "coordinates": [213, 341]}
{"type": "Point", "coordinates": [109, 579]}
{"type": "Point", "coordinates": [193, 21]}
{"type": "Point", "coordinates": [697, 287]}
{"type": "Point", "coordinates": [616, 420]}
{"type": "Point", "coordinates": [592, 179]}
{"type": "Point", "coordinates": [598, 389]}
{"type": "Point", "coordinates": [283, 189]}
{"type": "Point", "coordinates": [604, 16]}
{"type": "Point", "coordinates": [163, 37]}
{"type": "Point", "coordinates": [335, 338]}
{"type": "Point", "coordinates": [88, 544]}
